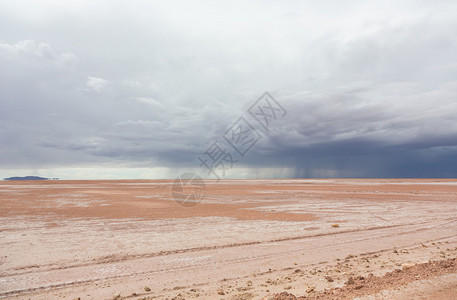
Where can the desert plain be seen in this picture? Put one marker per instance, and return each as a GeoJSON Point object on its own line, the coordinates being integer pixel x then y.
{"type": "Point", "coordinates": [246, 239]}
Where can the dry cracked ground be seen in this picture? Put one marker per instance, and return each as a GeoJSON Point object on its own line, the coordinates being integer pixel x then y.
{"type": "Point", "coordinates": [247, 239]}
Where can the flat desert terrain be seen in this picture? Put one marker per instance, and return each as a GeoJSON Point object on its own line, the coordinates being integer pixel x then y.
{"type": "Point", "coordinates": [247, 239]}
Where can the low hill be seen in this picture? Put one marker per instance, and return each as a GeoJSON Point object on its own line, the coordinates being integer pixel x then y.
{"type": "Point", "coordinates": [26, 178]}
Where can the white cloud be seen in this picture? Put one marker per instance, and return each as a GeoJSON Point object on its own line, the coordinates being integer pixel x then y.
{"type": "Point", "coordinates": [131, 83]}
{"type": "Point", "coordinates": [97, 84]}
{"type": "Point", "coordinates": [150, 101]}
{"type": "Point", "coordinates": [29, 51]}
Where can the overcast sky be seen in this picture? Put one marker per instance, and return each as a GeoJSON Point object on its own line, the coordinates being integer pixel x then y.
{"type": "Point", "coordinates": [141, 89]}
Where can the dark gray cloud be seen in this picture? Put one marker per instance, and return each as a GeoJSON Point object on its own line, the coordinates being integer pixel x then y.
{"type": "Point", "coordinates": [106, 89]}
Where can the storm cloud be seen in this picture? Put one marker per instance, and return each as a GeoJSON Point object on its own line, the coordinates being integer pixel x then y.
{"type": "Point", "coordinates": [109, 89]}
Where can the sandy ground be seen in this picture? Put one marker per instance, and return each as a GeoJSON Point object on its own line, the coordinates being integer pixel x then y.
{"type": "Point", "coordinates": [248, 239]}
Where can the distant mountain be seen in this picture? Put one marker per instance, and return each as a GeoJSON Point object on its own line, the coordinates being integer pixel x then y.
{"type": "Point", "coordinates": [27, 178]}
